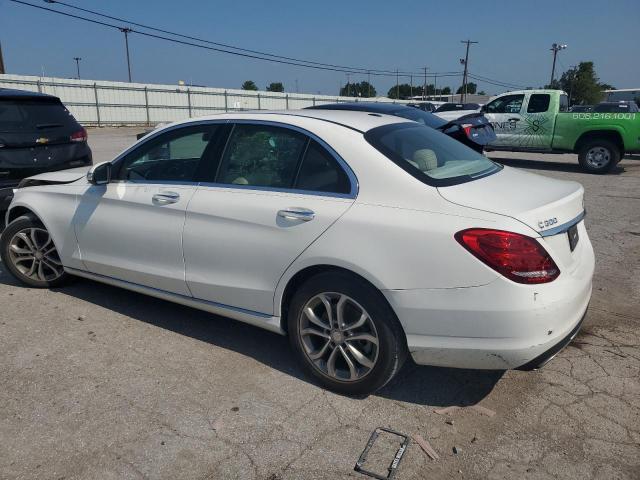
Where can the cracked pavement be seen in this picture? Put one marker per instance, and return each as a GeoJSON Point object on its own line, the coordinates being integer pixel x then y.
{"type": "Point", "coordinates": [102, 383]}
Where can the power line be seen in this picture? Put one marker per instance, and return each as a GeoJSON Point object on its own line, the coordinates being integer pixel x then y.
{"type": "Point", "coordinates": [257, 56]}
{"type": "Point", "coordinates": [225, 45]}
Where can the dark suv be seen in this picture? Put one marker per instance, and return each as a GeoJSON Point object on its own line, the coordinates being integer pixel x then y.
{"type": "Point", "coordinates": [37, 134]}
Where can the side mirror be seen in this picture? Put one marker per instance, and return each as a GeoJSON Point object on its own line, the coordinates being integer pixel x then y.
{"type": "Point", "coordinates": [483, 109]}
{"type": "Point", "coordinates": [100, 174]}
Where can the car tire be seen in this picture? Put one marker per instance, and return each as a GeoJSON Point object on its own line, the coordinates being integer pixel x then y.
{"type": "Point", "coordinates": [598, 156]}
{"type": "Point", "coordinates": [29, 254]}
{"type": "Point", "coordinates": [345, 354]}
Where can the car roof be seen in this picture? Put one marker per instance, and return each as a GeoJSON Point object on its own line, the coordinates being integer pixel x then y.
{"type": "Point", "coordinates": [14, 93]}
{"type": "Point", "coordinates": [375, 107]}
{"type": "Point", "coordinates": [355, 120]}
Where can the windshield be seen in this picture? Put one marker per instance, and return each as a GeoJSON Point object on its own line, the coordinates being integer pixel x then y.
{"type": "Point", "coordinates": [420, 116]}
{"type": "Point", "coordinates": [33, 115]}
{"type": "Point", "coordinates": [429, 155]}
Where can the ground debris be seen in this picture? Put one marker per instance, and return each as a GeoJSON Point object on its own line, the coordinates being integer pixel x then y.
{"type": "Point", "coordinates": [426, 447]}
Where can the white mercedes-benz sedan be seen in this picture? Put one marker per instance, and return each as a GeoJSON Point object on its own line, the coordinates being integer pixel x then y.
{"type": "Point", "coordinates": [362, 236]}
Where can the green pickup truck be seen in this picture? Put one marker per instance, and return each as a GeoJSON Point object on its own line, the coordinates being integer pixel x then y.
{"type": "Point", "coordinates": [540, 121]}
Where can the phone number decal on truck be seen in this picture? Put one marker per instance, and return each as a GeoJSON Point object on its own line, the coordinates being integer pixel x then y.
{"type": "Point", "coordinates": [604, 116]}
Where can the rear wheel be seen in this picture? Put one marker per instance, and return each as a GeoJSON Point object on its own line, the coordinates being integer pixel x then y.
{"type": "Point", "coordinates": [598, 156]}
{"type": "Point", "coordinates": [345, 334]}
{"type": "Point", "coordinates": [28, 252]}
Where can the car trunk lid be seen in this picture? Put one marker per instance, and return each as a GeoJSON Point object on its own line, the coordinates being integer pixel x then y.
{"type": "Point", "coordinates": [545, 204]}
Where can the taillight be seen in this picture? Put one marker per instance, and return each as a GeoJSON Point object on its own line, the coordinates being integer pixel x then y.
{"type": "Point", "coordinates": [467, 128]}
{"type": "Point", "coordinates": [517, 257]}
{"type": "Point", "coordinates": [79, 136]}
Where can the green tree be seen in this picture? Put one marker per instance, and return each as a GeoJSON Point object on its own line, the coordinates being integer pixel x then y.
{"type": "Point", "coordinates": [363, 89]}
{"type": "Point", "coordinates": [471, 88]}
{"type": "Point", "coordinates": [582, 84]}
{"type": "Point", "coordinates": [446, 91]}
{"type": "Point", "coordinates": [405, 91]}
{"type": "Point", "coordinates": [482, 92]}
{"type": "Point", "coordinates": [275, 87]}
{"type": "Point", "coordinates": [249, 85]}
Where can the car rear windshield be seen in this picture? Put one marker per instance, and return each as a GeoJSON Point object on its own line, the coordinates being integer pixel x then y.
{"type": "Point", "coordinates": [33, 115]}
{"type": "Point", "coordinates": [428, 155]}
{"type": "Point", "coordinates": [420, 116]}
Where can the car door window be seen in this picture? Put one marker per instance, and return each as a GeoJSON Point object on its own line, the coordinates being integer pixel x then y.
{"type": "Point", "coordinates": [564, 104]}
{"type": "Point", "coordinates": [321, 172]}
{"type": "Point", "coordinates": [538, 103]}
{"type": "Point", "coordinates": [172, 156]}
{"type": "Point", "coordinates": [262, 155]}
{"type": "Point", "coordinates": [506, 104]}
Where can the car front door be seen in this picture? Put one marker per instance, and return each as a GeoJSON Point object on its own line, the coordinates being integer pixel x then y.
{"type": "Point", "coordinates": [504, 113]}
{"type": "Point", "coordinates": [274, 192]}
{"type": "Point", "coordinates": [131, 228]}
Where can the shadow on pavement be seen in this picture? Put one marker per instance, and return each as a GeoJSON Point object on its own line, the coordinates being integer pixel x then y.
{"type": "Point", "coordinates": [422, 385]}
{"type": "Point", "coordinates": [546, 165]}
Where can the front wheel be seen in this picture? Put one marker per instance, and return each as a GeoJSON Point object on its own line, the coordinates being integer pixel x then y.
{"type": "Point", "coordinates": [598, 156]}
{"type": "Point", "coordinates": [28, 252]}
{"type": "Point", "coordinates": [345, 334]}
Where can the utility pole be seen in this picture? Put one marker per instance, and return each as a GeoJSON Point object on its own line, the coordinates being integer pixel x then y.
{"type": "Point", "coordinates": [297, 90]}
{"type": "Point", "coordinates": [435, 85]}
{"type": "Point", "coordinates": [348, 85]}
{"type": "Point", "coordinates": [555, 48]}
{"type": "Point", "coordinates": [573, 71]}
{"type": "Point", "coordinates": [411, 89]}
{"type": "Point", "coordinates": [424, 88]}
{"type": "Point", "coordinates": [397, 85]}
{"type": "Point", "coordinates": [77, 59]}
{"type": "Point", "coordinates": [465, 62]}
{"type": "Point", "coordinates": [2, 70]}
{"type": "Point", "coordinates": [126, 31]}
{"type": "Point", "coordinates": [369, 82]}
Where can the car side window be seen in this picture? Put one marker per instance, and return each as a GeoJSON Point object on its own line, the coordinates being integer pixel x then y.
{"type": "Point", "coordinates": [564, 104]}
{"type": "Point", "coordinates": [538, 103]}
{"type": "Point", "coordinates": [262, 156]}
{"type": "Point", "coordinates": [172, 156]}
{"type": "Point", "coordinates": [506, 104]}
{"type": "Point", "coordinates": [321, 172]}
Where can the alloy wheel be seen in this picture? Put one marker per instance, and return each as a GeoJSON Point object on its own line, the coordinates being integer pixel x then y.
{"type": "Point", "coordinates": [33, 254]}
{"type": "Point", "coordinates": [338, 336]}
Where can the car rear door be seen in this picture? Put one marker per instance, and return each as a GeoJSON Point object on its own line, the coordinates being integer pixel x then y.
{"type": "Point", "coordinates": [131, 228]}
{"type": "Point", "coordinates": [274, 191]}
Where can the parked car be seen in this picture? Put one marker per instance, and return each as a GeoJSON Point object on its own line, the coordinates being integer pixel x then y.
{"type": "Point", "coordinates": [581, 108]}
{"type": "Point", "coordinates": [450, 107]}
{"type": "Point", "coordinates": [618, 107]}
{"type": "Point", "coordinates": [539, 121]}
{"type": "Point", "coordinates": [474, 130]}
{"type": "Point", "coordinates": [37, 134]}
{"type": "Point", "coordinates": [364, 237]}
{"type": "Point", "coordinates": [453, 111]}
{"type": "Point", "coordinates": [426, 106]}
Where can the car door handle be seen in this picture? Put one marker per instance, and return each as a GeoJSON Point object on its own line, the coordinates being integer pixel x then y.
{"type": "Point", "coordinates": [297, 213]}
{"type": "Point", "coordinates": [165, 198]}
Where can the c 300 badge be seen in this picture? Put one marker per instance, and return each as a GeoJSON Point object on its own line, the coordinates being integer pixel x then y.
{"type": "Point", "coordinates": [547, 223]}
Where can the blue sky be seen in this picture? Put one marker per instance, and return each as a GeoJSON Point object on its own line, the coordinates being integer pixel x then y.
{"type": "Point", "coordinates": [515, 37]}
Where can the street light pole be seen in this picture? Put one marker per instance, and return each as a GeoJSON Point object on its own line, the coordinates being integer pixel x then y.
{"type": "Point", "coordinates": [397, 85]}
{"type": "Point", "coordinates": [126, 42]}
{"type": "Point", "coordinates": [77, 59]}
{"type": "Point", "coordinates": [463, 91]}
{"type": "Point", "coordinates": [555, 48]}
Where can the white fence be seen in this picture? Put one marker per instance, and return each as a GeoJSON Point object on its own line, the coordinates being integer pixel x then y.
{"type": "Point", "coordinates": [120, 103]}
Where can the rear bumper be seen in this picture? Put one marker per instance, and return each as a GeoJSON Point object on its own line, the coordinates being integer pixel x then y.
{"type": "Point", "coordinates": [501, 325]}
